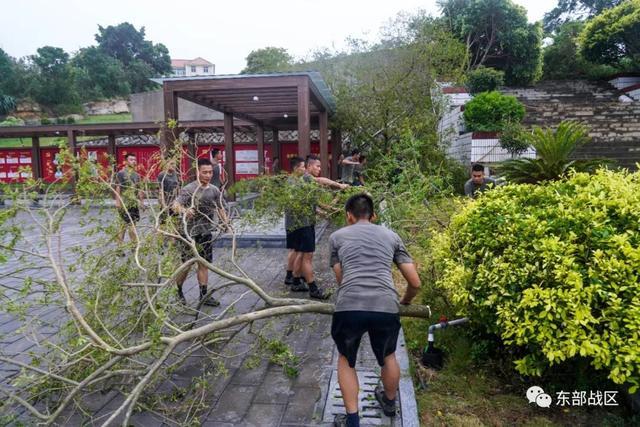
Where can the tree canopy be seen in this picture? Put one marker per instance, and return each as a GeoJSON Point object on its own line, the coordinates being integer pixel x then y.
{"type": "Point", "coordinates": [497, 34]}
{"type": "Point", "coordinates": [267, 60]}
{"type": "Point", "coordinates": [562, 59]}
{"type": "Point", "coordinates": [613, 37]}
{"type": "Point", "coordinates": [572, 10]}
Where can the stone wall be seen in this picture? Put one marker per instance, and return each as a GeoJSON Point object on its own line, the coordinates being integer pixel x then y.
{"type": "Point", "coordinates": [113, 106]}
{"type": "Point", "coordinates": [614, 125]}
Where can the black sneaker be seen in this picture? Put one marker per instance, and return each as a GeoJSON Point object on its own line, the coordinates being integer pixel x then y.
{"type": "Point", "coordinates": [301, 286]}
{"type": "Point", "coordinates": [288, 281]}
{"type": "Point", "coordinates": [318, 293]}
{"type": "Point", "coordinates": [211, 302]}
{"type": "Point", "coordinates": [340, 420]}
{"type": "Point", "coordinates": [389, 408]}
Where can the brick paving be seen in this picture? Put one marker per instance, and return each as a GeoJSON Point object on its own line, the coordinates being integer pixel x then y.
{"type": "Point", "coordinates": [247, 389]}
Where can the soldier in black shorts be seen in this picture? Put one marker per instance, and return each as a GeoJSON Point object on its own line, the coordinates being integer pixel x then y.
{"type": "Point", "coordinates": [169, 183]}
{"type": "Point", "coordinates": [361, 257]}
{"type": "Point", "coordinates": [200, 209]}
{"type": "Point", "coordinates": [297, 171]}
{"type": "Point", "coordinates": [129, 196]}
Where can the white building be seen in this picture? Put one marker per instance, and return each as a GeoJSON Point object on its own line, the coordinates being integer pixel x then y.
{"type": "Point", "coordinates": [192, 67]}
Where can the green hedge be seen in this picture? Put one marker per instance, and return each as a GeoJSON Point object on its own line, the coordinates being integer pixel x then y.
{"type": "Point", "coordinates": [553, 270]}
{"type": "Point", "coordinates": [491, 111]}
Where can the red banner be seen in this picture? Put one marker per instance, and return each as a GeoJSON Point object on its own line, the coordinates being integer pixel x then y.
{"type": "Point", "coordinates": [13, 164]}
{"type": "Point", "coordinates": [148, 158]}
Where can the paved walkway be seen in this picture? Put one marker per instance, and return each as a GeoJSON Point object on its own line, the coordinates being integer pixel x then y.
{"type": "Point", "coordinates": [245, 388]}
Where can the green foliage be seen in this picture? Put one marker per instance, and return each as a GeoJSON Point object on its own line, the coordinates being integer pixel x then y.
{"type": "Point", "coordinates": [553, 270]}
{"type": "Point", "coordinates": [55, 79]}
{"type": "Point", "coordinates": [497, 34]}
{"type": "Point", "coordinates": [383, 88]}
{"type": "Point", "coordinates": [569, 10]}
{"type": "Point", "coordinates": [563, 61]}
{"type": "Point", "coordinates": [613, 37]}
{"type": "Point", "coordinates": [12, 121]}
{"type": "Point", "coordinates": [267, 60]}
{"type": "Point", "coordinates": [554, 149]}
{"type": "Point", "coordinates": [514, 138]}
{"type": "Point", "coordinates": [484, 79]}
{"type": "Point", "coordinates": [100, 75]}
{"type": "Point", "coordinates": [491, 111]}
{"type": "Point", "coordinates": [7, 104]}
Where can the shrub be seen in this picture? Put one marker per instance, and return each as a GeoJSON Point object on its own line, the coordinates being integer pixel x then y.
{"type": "Point", "coordinates": [490, 111]}
{"type": "Point", "coordinates": [553, 270]}
{"type": "Point", "coordinates": [12, 121]}
{"type": "Point", "coordinates": [484, 79]}
{"type": "Point", "coordinates": [45, 121]}
{"type": "Point", "coordinates": [514, 138]}
{"type": "Point", "coordinates": [554, 152]}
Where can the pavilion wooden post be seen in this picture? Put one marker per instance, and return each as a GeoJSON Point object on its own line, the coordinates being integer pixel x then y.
{"type": "Point", "coordinates": [260, 144]}
{"type": "Point", "coordinates": [170, 113]}
{"type": "Point", "coordinates": [336, 148]}
{"type": "Point", "coordinates": [275, 150]}
{"type": "Point", "coordinates": [111, 151]}
{"type": "Point", "coordinates": [36, 166]}
{"type": "Point", "coordinates": [324, 143]}
{"type": "Point", "coordinates": [304, 119]}
{"type": "Point", "coordinates": [229, 161]}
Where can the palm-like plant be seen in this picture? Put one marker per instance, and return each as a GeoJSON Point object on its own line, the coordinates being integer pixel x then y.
{"type": "Point", "coordinates": [554, 150]}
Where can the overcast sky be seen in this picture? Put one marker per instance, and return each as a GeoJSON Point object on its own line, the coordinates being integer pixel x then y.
{"type": "Point", "coordinates": [223, 32]}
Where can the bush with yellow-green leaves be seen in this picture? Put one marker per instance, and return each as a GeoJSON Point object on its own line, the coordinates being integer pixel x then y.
{"type": "Point", "coordinates": [553, 270]}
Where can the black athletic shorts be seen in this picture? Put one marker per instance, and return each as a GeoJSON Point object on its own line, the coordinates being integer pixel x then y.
{"type": "Point", "coordinates": [291, 244]}
{"type": "Point", "coordinates": [134, 213]}
{"type": "Point", "coordinates": [347, 328]}
{"type": "Point", "coordinates": [204, 243]}
{"type": "Point", "coordinates": [302, 239]}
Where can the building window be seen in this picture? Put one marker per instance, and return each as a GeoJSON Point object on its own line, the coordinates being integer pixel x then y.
{"type": "Point", "coordinates": [206, 69]}
{"type": "Point", "coordinates": [193, 68]}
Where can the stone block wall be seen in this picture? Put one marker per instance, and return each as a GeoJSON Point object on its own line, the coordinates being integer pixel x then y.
{"type": "Point", "coordinates": [614, 125]}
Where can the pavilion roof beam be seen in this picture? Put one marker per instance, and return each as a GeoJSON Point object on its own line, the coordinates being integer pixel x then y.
{"type": "Point", "coordinates": [220, 108]}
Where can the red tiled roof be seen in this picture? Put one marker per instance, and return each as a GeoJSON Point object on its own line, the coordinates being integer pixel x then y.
{"type": "Point", "coordinates": [454, 89]}
{"type": "Point", "coordinates": [180, 63]}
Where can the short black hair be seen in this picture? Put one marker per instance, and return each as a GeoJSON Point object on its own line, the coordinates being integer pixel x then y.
{"type": "Point", "coordinates": [126, 156]}
{"type": "Point", "coordinates": [203, 161]}
{"type": "Point", "coordinates": [355, 151]}
{"type": "Point", "coordinates": [360, 206]}
{"type": "Point", "coordinates": [311, 157]}
{"type": "Point", "coordinates": [295, 161]}
{"type": "Point", "coordinates": [477, 167]}
{"type": "Point", "coordinates": [215, 152]}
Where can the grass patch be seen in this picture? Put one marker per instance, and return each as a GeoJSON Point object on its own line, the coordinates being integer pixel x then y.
{"type": "Point", "coordinates": [467, 393]}
{"type": "Point", "coordinates": [54, 141]}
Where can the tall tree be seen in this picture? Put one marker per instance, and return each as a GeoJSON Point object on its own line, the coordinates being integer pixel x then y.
{"type": "Point", "coordinates": [613, 37]}
{"type": "Point", "coordinates": [56, 76]}
{"type": "Point", "coordinates": [129, 46]}
{"type": "Point", "coordinates": [497, 34]}
{"type": "Point", "coordinates": [7, 73]}
{"type": "Point", "coordinates": [385, 89]}
{"type": "Point", "coordinates": [267, 60]}
{"type": "Point", "coordinates": [575, 10]}
{"type": "Point", "coordinates": [562, 59]}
